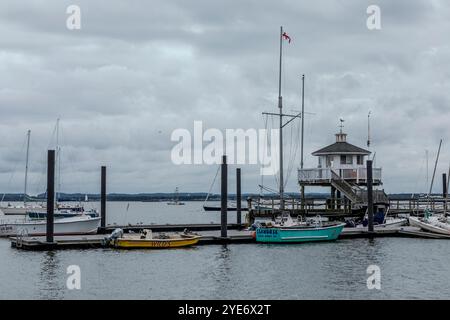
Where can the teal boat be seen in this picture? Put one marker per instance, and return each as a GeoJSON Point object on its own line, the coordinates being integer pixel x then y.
{"type": "Point", "coordinates": [299, 233]}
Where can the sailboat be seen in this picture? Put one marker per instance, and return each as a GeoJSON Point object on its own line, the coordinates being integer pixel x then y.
{"type": "Point", "coordinates": [289, 231]}
{"type": "Point", "coordinates": [69, 220]}
{"type": "Point", "coordinates": [10, 209]}
{"type": "Point", "coordinates": [176, 200]}
{"type": "Point", "coordinates": [64, 226]}
{"type": "Point", "coordinates": [432, 222]}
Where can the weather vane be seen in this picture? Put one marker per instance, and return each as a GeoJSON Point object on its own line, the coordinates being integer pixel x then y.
{"type": "Point", "coordinates": [341, 123]}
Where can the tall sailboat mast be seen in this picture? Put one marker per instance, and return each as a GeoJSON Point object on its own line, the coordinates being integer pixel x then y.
{"type": "Point", "coordinates": [26, 168]}
{"type": "Point", "coordinates": [302, 188]}
{"type": "Point", "coordinates": [280, 106]}
{"type": "Point", "coordinates": [58, 162]}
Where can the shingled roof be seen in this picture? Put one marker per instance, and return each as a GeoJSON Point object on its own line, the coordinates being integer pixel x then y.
{"type": "Point", "coordinates": [340, 148]}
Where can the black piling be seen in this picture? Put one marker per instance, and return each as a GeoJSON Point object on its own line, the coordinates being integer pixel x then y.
{"type": "Point", "coordinates": [224, 197]}
{"type": "Point", "coordinates": [103, 199]}
{"type": "Point", "coordinates": [370, 195]}
{"type": "Point", "coordinates": [444, 185]}
{"type": "Point", "coordinates": [238, 196]}
{"type": "Point", "coordinates": [50, 195]}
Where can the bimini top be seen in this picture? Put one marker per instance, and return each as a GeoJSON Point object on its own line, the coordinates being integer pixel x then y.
{"type": "Point", "coordinates": [341, 146]}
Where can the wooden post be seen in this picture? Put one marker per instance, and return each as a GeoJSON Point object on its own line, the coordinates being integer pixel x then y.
{"type": "Point", "coordinates": [50, 195]}
{"type": "Point", "coordinates": [238, 196]}
{"type": "Point", "coordinates": [370, 195]}
{"type": "Point", "coordinates": [103, 198]}
{"type": "Point", "coordinates": [338, 199]}
{"type": "Point", "coordinates": [333, 197]}
{"type": "Point", "coordinates": [224, 198]}
{"type": "Point", "coordinates": [444, 185]}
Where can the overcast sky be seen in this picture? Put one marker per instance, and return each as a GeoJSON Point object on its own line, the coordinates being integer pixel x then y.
{"type": "Point", "coordinates": [137, 70]}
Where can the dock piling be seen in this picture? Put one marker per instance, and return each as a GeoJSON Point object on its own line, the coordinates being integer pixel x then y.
{"type": "Point", "coordinates": [224, 197]}
{"type": "Point", "coordinates": [103, 198]}
{"type": "Point", "coordinates": [370, 195]}
{"type": "Point", "coordinates": [50, 195]}
{"type": "Point", "coordinates": [238, 196]}
{"type": "Point", "coordinates": [444, 185]}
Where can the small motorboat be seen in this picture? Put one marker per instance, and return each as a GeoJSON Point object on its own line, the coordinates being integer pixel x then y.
{"type": "Point", "coordinates": [431, 223]}
{"type": "Point", "coordinates": [288, 231]}
{"type": "Point", "coordinates": [381, 220]}
{"type": "Point", "coordinates": [146, 240]}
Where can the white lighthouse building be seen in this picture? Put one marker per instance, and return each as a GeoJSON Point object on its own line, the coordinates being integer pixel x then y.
{"type": "Point", "coordinates": [342, 167]}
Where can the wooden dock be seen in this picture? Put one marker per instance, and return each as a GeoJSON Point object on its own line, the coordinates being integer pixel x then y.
{"type": "Point", "coordinates": [171, 227]}
{"type": "Point", "coordinates": [210, 237]}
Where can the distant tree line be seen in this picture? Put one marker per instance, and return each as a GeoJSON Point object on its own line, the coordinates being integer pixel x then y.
{"type": "Point", "coordinates": [161, 197]}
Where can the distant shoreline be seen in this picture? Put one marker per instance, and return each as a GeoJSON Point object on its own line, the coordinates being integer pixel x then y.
{"type": "Point", "coordinates": [162, 197]}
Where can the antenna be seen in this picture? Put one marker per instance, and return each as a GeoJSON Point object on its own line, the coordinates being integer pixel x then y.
{"type": "Point", "coordinates": [368, 129]}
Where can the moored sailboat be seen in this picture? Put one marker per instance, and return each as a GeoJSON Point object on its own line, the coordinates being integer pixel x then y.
{"type": "Point", "coordinates": [64, 226]}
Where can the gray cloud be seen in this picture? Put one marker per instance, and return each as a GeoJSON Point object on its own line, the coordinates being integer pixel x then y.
{"type": "Point", "coordinates": [138, 70]}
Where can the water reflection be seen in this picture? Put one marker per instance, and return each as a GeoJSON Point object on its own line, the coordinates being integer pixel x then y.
{"type": "Point", "coordinates": [51, 285]}
{"type": "Point", "coordinates": [222, 273]}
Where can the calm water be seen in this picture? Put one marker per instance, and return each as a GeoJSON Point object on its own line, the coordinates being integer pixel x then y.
{"type": "Point", "coordinates": [410, 268]}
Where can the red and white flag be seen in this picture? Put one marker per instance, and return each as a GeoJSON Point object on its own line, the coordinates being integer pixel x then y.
{"type": "Point", "coordinates": [286, 37]}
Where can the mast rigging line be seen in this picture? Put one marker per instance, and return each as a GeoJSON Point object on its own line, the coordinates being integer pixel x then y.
{"type": "Point", "coordinates": [434, 171]}
{"type": "Point", "coordinates": [212, 185]}
{"type": "Point", "coordinates": [14, 169]}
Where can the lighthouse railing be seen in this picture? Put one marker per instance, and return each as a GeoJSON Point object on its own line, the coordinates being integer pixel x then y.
{"type": "Point", "coordinates": [321, 175]}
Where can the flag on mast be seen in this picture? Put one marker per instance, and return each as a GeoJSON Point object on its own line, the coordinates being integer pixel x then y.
{"type": "Point", "coordinates": [286, 37]}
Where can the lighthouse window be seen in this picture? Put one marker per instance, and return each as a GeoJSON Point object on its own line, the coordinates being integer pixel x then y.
{"type": "Point", "coordinates": [346, 160]}
{"type": "Point", "coordinates": [359, 159]}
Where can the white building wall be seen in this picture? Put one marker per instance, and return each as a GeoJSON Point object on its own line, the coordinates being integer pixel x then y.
{"type": "Point", "coordinates": [334, 161]}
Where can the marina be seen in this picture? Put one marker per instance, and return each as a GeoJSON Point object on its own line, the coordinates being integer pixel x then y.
{"type": "Point", "coordinates": [225, 269]}
{"type": "Point", "coordinates": [215, 151]}
{"type": "Point", "coordinates": [211, 238]}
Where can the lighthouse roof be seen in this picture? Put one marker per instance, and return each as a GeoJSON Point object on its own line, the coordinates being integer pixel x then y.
{"type": "Point", "coordinates": [341, 148]}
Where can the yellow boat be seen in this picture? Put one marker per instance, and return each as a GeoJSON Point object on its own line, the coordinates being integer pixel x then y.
{"type": "Point", "coordinates": [146, 240]}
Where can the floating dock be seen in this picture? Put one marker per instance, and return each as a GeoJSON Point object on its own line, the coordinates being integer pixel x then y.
{"type": "Point", "coordinates": [209, 237]}
{"type": "Point", "coordinates": [170, 227]}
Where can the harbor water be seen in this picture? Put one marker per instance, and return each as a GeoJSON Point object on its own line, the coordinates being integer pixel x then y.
{"type": "Point", "coordinates": [409, 268]}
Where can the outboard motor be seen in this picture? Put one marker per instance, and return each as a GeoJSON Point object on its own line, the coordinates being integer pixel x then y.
{"type": "Point", "coordinates": [117, 233]}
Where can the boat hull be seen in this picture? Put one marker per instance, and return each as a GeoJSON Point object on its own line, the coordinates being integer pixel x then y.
{"type": "Point", "coordinates": [436, 227]}
{"type": "Point", "coordinates": [207, 208]}
{"type": "Point", "coordinates": [298, 235]}
{"type": "Point", "coordinates": [64, 226]}
{"type": "Point", "coordinates": [155, 243]}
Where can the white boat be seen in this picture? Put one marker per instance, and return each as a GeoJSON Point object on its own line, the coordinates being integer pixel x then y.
{"type": "Point", "coordinates": [64, 226]}
{"type": "Point", "coordinates": [390, 222]}
{"type": "Point", "coordinates": [176, 201]}
{"type": "Point", "coordinates": [435, 224]}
